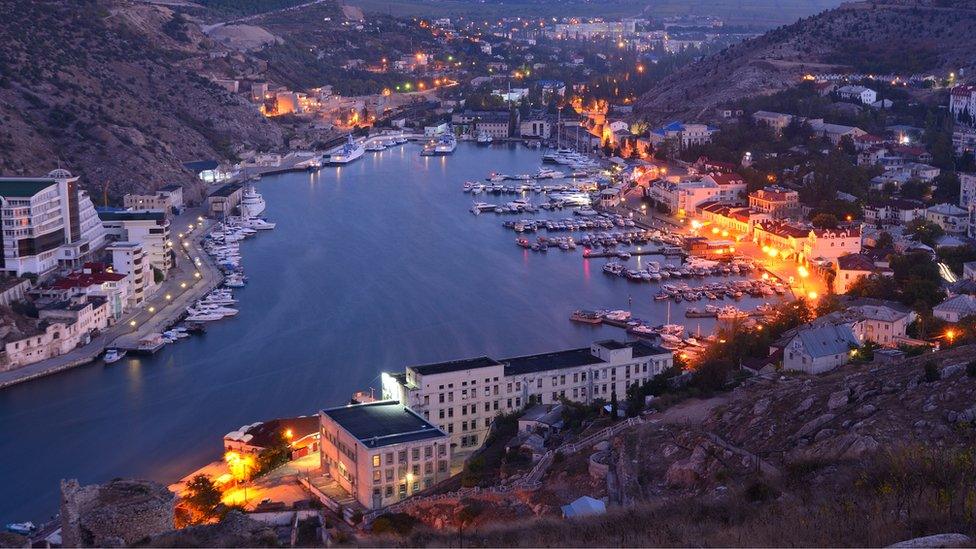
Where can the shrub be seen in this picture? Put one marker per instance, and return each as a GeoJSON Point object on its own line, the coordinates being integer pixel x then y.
{"type": "Point", "coordinates": [400, 524]}
{"type": "Point", "coordinates": [760, 492]}
{"type": "Point", "coordinates": [971, 369]}
{"type": "Point", "coordinates": [931, 372]}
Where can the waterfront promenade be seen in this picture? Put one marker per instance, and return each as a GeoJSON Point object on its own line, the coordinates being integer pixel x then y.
{"type": "Point", "coordinates": [179, 290]}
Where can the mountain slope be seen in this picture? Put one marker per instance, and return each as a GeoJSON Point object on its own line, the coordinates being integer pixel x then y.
{"type": "Point", "coordinates": [99, 86]}
{"type": "Point", "coordinates": [902, 37]}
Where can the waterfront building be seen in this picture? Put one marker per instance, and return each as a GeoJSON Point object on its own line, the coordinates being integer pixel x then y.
{"type": "Point", "coordinates": [47, 222]}
{"type": "Point", "coordinates": [382, 452]}
{"type": "Point", "coordinates": [834, 132]}
{"type": "Point", "coordinates": [300, 433]}
{"type": "Point", "coordinates": [167, 199]}
{"type": "Point", "coordinates": [221, 202]}
{"type": "Point", "coordinates": [131, 260]}
{"type": "Point", "coordinates": [93, 280]}
{"type": "Point", "coordinates": [494, 123]}
{"type": "Point", "coordinates": [683, 196]}
{"type": "Point", "coordinates": [61, 327]}
{"type": "Point", "coordinates": [148, 228]}
{"type": "Point", "coordinates": [464, 396]}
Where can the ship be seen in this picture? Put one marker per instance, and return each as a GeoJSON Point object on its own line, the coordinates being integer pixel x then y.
{"type": "Point", "coordinates": [347, 153]}
{"type": "Point", "coordinates": [445, 144]}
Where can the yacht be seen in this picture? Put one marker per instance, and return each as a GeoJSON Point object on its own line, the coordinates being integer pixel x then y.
{"type": "Point", "coordinates": [113, 355]}
{"type": "Point", "coordinates": [347, 153]}
{"type": "Point", "coordinates": [252, 203]}
{"type": "Point", "coordinates": [204, 317]}
{"type": "Point", "coordinates": [376, 145]}
{"type": "Point", "coordinates": [484, 139]}
{"type": "Point", "coordinates": [445, 144]}
{"type": "Point", "coordinates": [257, 224]}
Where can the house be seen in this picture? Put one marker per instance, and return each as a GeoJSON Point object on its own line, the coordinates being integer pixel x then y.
{"type": "Point", "coordinates": [967, 190]}
{"type": "Point", "coordinates": [819, 349]}
{"type": "Point", "coordinates": [167, 199]}
{"type": "Point", "coordinates": [464, 396]}
{"type": "Point", "coordinates": [382, 452]}
{"type": "Point", "coordinates": [47, 222]}
{"type": "Point", "coordinates": [610, 197]}
{"type": "Point", "coordinates": [894, 211]}
{"type": "Point", "coordinates": [969, 270]}
{"type": "Point", "coordinates": [93, 280]}
{"type": "Point", "coordinates": [865, 95]}
{"type": "Point", "coordinates": [777, 202]}
{"type": "Point", "coordinates": [952, 219]}
{"type": "Point", "coordinates": [131, 260]}
{"type": "Point", "coordinates": [834, 132]}
{"type": "Point", "coordinates": [774, 120]}
{"type": "Point", "coordinates": [962, 103]}
{"type": "Point", "coordinates": [542, 419]}
{"type": "Point", "coordinates": [852, 267]}
{"type": "Point", "coordinates": [300, 433]}
{"type": "Point", "coordinates": [584, 506]}
{"type": "Point", "coordinates": [882, 322]}
{"type": "Point", "coordinates": [955, 308]}
{"type": "Point", "coordinates": [682, 135]}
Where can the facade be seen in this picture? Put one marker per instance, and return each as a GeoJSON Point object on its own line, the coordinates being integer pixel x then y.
{"type": "Point", "coordinates": [955, 308]}
{"type": "Point", "coordinates": [382, 452]}
{"type": "Point", "coordinates": [962, 99]}
{"type": "Point", "coordinates": [834, 132]}
{"type": "Point", "coordinates": [93, 280]}
{"type": "Point", "coordinates": [967, 190]}
{"type": "Point", "coordinates": [47, 222]}
{"type": "Point", "coordinates": [167, 199]}
{"type": "Point", "coordinates": [952, 219]}
{"type": "Point", "coordinates": [867, 96]}
{"type": "Point", "coordinates": [774, 120]}
{"type": "Point", "coordinates": [682, 135]}
{"type": "Point", "coordinates": [61, 328]}
{"type": "Point", "coordinates": [819, 349]}
{"type": "Point", "coordinates": [963, 140]}
{"type": "Point", "coordinates": [778, 202]}
{"type": "Point", "coordinates": [535, 129]}
{"type": "Point", "coordinates": [683, 197]}
{"type": "Point", "coordinates": [221, 203]}
{"type": "Point", "coordinates": [495, 124]}
{"type": "Point", "coordinates": [149, 228]}
{"type": "Point", "coordinates": [464, 396]}
{"type": "Point", "coordinates": [852, 267]}
{"type": "Point", "coordinates": [895, 211]}
{"type": "Point", "coordinates": [131, 260]}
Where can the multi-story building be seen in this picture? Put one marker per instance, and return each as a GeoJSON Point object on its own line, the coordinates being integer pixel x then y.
{"type": "Point", "coordinates": [464, 396]}
{"type": "Point", "coordinates": [967, 190]}
{"type": "Point", "coordinates": [952, 219]}
{"type": "Point", "coordinates": [964, 140]}
{"type": "Point", "coordinates": [682, 135]}
{"type": "Point", "coordinates": [681, 197]}
{"type": "Point", "coordinates": [776, 121]}
{"type": "Point", "coordinates": [894, 211]}
{"type": "Point", "coordinates": [494, 124]}
{"type": "Point", "coordinates": [94, 280]}
{"type": "Point", "coordinates": [962, 99]}
{"type": "Point", "coordinates": [778, 202]}
{"type": "Point", "coordinates": [167, 199]}
{"type": "Point", "coordinates": [130, 259]}
{"type": "Point", "coordinates": [536, 128]}
{"type": "Point", "coordinates": [148, 228]}
{"type": "Point", "coordinates": [47, 222]}
{"type": "Point", "coordinates": [60, 329]}
{"type": "Point", "coordinates": [382, 452]}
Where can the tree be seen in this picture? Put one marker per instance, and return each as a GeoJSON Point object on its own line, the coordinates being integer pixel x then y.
{"type": "Point", "coordinates": [926, 231]}
{"type": "Point", "coordinates": [825, 221]}
{"type": "Point", "coordinates": [884, 241]}
{"type": "Point", "coordinates": [946, 188]}
{"type": "Point", "coordinates": [613, 405]}
{"type": "Point", "coordinates": [202, 497]}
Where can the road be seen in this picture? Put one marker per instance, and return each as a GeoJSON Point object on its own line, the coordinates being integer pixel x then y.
{"type": "Point", "coordinates": [182, 286]}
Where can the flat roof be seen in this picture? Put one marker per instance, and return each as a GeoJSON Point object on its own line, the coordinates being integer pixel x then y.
{"type": "Point", "coordinates": [24, 186]}
{"type": "Point", "coordinates": [550, 361]}
{"type": "Point", "coordinates": [383, 423]}
{"type": "Point", "coordinates": [611, 344]}
{"type": "Point", "coordinates": [127, 215]}
{"type": "Point", "coordinates": [455, 365]}
{"type": "Point", "coordinates": [227, 189]}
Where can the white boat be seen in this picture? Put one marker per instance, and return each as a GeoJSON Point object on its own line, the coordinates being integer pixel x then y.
{"type": "Point", "coordinates": [257, 224]}
{"type": "Point", "coordinates": [22, 528]}
{"type": "Point", "coordinates": [376, 145]}
{"type": "Point", "coordinates": [252, 203]}
{"type": "Point", "coordinates": [445, 144]}
{"type": "Point", "coordinates": [347, 153]}
{"type": "Point", "coordinates": [205, 317]}
{"type": "Point", "coordinates": [484, 138]}
{"type": "Point", "coordinates": [113, 355]}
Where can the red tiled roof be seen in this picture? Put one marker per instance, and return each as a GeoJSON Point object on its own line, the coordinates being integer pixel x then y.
{"type": "Point", "coordinates": [94, 273]}
{"type": "Point", "coordinates": [727, 179]}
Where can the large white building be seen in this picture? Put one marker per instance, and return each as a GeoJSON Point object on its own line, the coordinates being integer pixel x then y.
{"type": "Point", "coordinates": [682, 135]}
{"type": "Point", "coordinates": [148, 228]}
{"type": "Point", "coordinates": [131, 260]}
{"type": "Point", "coordinates": [681, 197]}
{"type": "Point", "coordinates": [47, 222]}
{"type": "Point", "coordinates": [462, 397]}
{"type": "Point", "coordinates": [963, 99]}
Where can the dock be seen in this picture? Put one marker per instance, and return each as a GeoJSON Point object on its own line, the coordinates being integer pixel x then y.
{"type": "Point", "coordinates": [616, 253]}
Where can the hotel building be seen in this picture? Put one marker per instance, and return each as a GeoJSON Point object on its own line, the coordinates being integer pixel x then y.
{"type": "Point", "coordinates": [47, 222]}
{"type": "Point", "coordinates": [463, 397]}
{"type": "Point", "coordinates": [151, 229]}
{"type": "Point", "coordinates": [382, 452]}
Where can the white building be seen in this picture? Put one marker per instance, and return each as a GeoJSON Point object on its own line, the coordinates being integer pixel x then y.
{"type": "Point", "coordinates": [962, 99]}
{"type": "Point", "coordinates": [819, 349]}
{"type": "Point", "coordinates": [60, 329]}
{"type": "Point", "coordinates": [682, 135]}
{"type": "Point", "coordinates": [865, 95]}
{"type": "Point", "coordinates": [167, 199]}
{"type": "Point", "coordinates": [47, 222]}
{"type": "Point", "coordinates": [955, 308]}
{"type": "Point", "coordinates": [967, 190]}
{"type": "Point", "coordinates": [382, 452]}
{"type": "Point", "coordinates": [462, 397]}
{"type": "Point", "coordinates": [148, 228]}
{"type": "Point", "coordinates": [682, 197]}
{"type": "Point", "coordinates": [952, 219]}
{"type": "Point", "coordinates": [130, 259]}
{"type": "Point", "coordinates": [776, 121]}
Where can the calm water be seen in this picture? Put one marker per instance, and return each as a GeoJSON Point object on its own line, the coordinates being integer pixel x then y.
{"type": "Point", "coordinates": [372, 267]}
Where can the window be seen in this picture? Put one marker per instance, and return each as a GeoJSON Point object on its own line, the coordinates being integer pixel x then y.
{"type": "Point", "coordinates": [402, 456]}
{"type": "Point", "coordinates": [415, 454]}
{"type": "Point", "coordinates": [389, 475]}
{"type": "Point", "coordinates": [376, 460]}
{"type": "Point", "coordinates": [377, 476]}
{"type": "Point", "coordinates": [389, 491]}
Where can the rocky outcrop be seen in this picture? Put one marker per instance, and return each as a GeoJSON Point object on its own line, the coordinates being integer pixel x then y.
{"type": "Point", "coordinates": [234, 530]}
{"type": "Point", "coordinates": [937, 540]}
{"type": "Point", "coordinates": [116, 514]}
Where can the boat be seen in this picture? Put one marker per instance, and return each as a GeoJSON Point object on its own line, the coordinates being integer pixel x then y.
{"type": "Point", "coordinates": [257, 223]}
{"type": "Point", "coordinates": [377, 145]}
{"type": "Point", "coordinates": [252, 203]}
{"type": "Point", "coordinates": [445, 144]}
{"type": "Point", "coordinates": [347, 153]}
{"type": "Point", "coordinates": [204, 317]}
{"type": "Point", "coordinates": [22, 528]}
{"type": "Point", "coordinates": [113, 355]}
{"type": "Point", "coordinates": [484, 138]}
{"type": "Point", "coordinates": [586, 317]}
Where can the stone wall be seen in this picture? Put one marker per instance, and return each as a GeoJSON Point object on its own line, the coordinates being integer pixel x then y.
{"type": "Point", "coordinates": [116, 514]}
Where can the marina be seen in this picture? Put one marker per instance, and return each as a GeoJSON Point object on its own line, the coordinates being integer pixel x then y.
{"type": "Point", "coordinates": [371, 266]}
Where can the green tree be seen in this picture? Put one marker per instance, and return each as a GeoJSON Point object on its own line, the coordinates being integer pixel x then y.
{"type": "Point", "coordinates": [825, 221]}
{"type": "Point", "coordinates": [202, 497]}
{"type": "Point", "coordinates": [926, 231]}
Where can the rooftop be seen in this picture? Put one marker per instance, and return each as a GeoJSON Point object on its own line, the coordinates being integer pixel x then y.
{"type": "Point", "coordinates": [550, 361]}
{"type": "Point", "coordinates": [383, 423]}
{"type": "Point", "coordinates": [827, 339]}
{"type": "Point", "coordinates": [132, 215]}
{"type": "Point", "coordinates": [266, 434]}
{"type": "Point", "coordinates": [24, 187]}
{"type": "Point", "coordinates": [455, 365]}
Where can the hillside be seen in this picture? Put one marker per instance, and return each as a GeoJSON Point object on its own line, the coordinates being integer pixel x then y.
{"type": "Point", "coordinates": [868, 456]}
{"type": "Point", "coordinates": [856, 37]}
{"type": "Point", "coordinates": [102, 86]}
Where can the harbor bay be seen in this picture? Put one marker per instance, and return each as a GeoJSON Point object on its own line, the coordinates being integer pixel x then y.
{"type": "Point", "coordinates": [373, 265]}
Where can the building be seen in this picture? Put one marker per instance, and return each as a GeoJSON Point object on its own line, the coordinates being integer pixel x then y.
{"type": "Point", "coordinates": [967, 190]}
{"type": "Point", "coordinates": [464, 396]}
{"type": "Point", "coordinates": [61, 327]}
{"type": "Point", "coordinates": [168, 199]}
{"type": "Point", "coordinates": [834, 132]}
{"type": "Point", "coordinates": [774, 120]}
{"type": "Point", "coordinates": [962, 100]}
{"type": "Point", "coordinates": [682, 135]}
{"type": "Point", "coordinates": [208, 171]}
{"type": "Point", "coordinates": [952, 219]}
{"type": "Point", "coordinates": [93, 280]}
{"type": "Point", "coordinates": [818, 349]}
{"type": "Point", "coordinates": [131, 260]}
{"type": "Point", "coordinates": [964, 140]}
{"type": "Point", "coordinates": [955, 308]}
{"type": "Point", "coordinates": [493, 123]}
{"type": "Point", "coordinates": [886, 325]}
{"type": "Point", "coordinates": [382, 452]}
{"type": "Point", "coordinates": [778, 202]}
{"type": "Point", "coordinates": [300, 433]}
{"type": "Point", "coordinates": [852, 267]}
{"type": "Point", "coordinates": [969, 270]}
{"type": "Point", "coordinates": [866, 96]}
{"type": "Point", "coordinates": [151, 229]}
{"type": "Point", "coordinates": [221, 202]}
{"type": "Point", "coordinates": [536, 128]}
{"type": "Point", "coordinates": [894, 211]}
{"type": "Point", "coordinates": [47, 222]}
{"type": "Point", "coordinates": [683, 196]}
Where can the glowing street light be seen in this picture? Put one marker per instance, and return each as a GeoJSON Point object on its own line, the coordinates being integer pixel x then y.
{"type": "Point", "coordinates": [168, 297]}
{"type": "Point", "coordinates": [182, 284]}
{"type": "Point", "coordinates": [152, 309]}
{"type": "Point", "coordinates": [132, 323]}
{"type": "Point", "coordinates": [812, 295]}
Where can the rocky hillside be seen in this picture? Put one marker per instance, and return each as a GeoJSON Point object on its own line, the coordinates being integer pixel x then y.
{"type": "Point", "coordinates": [868, 455]}
{"type": "Point", "coordinates": [103, 86]}
{"type": "Point", "coordinates": [880, 36]}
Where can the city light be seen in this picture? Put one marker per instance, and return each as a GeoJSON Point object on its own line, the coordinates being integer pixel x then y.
{"type": "Point", "coordinates": [168, 297]}
{"type": "Point", "coordinates": [132, 323]}
{"type": "Point", "coordinates": [152, 309]}
{"type": "Point", "coordinates": [182, 284]}
{"type": "Point", "coordinates": [812, 295]}
{"type": "Point", "coordinates": [803, 271]}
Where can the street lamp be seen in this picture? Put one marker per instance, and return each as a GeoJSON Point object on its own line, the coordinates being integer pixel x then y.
{"type": "Point", "coordinates": [182, 284]}
{"type": "Point", "coordinates": [168, 297]}
{"type": "Point", "coordinates": [152, 309]}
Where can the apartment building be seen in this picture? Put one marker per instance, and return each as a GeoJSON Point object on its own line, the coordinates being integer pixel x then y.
{"type": "Point", "coordinates": [151, 229]}
{"type": "Point", "coordinates": [131, 260]}
{"type": "Point", "coordinates": [382, 452]}
{"type": "Point", "coordinates": [47, 222]}
{"type": "Point", "coordinates": [61, 328]}
{"type": "Point", "coordinates": [167, 199]}
{"type": "Point", "coordinates": [778, 202]}
{"type": "Point", "coordinates": [463, 396]}
{"type": "Point", "coordinates": [682, 197]}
